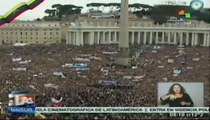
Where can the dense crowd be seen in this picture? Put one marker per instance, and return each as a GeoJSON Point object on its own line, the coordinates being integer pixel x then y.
{"type": "Point", "coordinates": [78, 89]}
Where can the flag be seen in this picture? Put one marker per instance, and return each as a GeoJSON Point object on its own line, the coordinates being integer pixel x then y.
{"type": "Point", "coordinates": [16, 59]}
{"type": "Point", "coordinates": [39, 116]}
{"type": "Point", "coordinates": [181, 12]}
{"type": "Point", "coordinates": [57, 103]}
{"type": "Point", "coordinates": [50, 85]}
{"type": "Point", "coordinates": [187, 15]}
{"type": "Point", "coordinates": [59, 74]}
{"type": "Point", "coordinates": [96, 58]}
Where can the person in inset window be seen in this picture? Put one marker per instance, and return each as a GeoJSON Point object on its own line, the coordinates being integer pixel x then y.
{"type": "Point", "coordinates": [177, 97]}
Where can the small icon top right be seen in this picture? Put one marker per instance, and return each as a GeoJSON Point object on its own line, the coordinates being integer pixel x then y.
{"type": "Point", "coordinates": [197, 5]}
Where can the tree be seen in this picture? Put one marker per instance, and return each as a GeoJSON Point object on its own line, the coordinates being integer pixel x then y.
{"type": "Point", "coordinates": [138, 6]}
{"type": "Point", "coordinates": [38, 19]}
{"type": "Point", "coordinates": [51, 12]}
{"type": "Point", "coordinates": [141, 13]}
{"type": "Point", "coordinates": [113, 6]}
{"type": "Point", "coordinates": [204, 15]}
{"type": "Point", "coordinates": [141, 10]}
{"type": "Point", "coordinates": [57, 7]}
{"type": "Point", "coordinates": [48, 12]}
{"type": "Point", "coordinates": [66, 10]}
{"type": "Point", "coordinates": [70, 9]}
{"type": "Point", "coordinates": [160, 19]}
{"type": "Point", "coordinates": [97, 5]}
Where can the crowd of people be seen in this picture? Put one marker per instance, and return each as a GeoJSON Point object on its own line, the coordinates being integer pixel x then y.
{"type": "Point", "coordinates": [31, 67]}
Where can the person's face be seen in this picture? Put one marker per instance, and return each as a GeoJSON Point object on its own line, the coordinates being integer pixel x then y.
{"type": "Point", "coordinates": [11, 102]}
{"type": "Point", "coordinates": [177, 89]}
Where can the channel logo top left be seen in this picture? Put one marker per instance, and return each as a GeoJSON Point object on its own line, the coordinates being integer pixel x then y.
{"type": "Point", "coordinates": [21, 102]}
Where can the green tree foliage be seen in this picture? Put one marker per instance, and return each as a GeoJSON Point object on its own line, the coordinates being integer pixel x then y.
{"type": "Point", "coordinates": [61, 11]}
{"type": "Point", "coordinates": [139, 6]}
{"type": "Point", "coordinates": [203, 15]}
{"type": "Point", "coordinates": [56, 6]}
{"type": "Point", "coordinates": [51, 12]}
{"type": "Point", "coordinates": [159, 13]}
{"type": "Point", "coordinates": [160, 19]}
{"type": "Point", "coordinates": [113, 6]}
{"type": "Point", "coordinates": [141, 10]}
{"type": "Point", "coordinates": [97, 5]}
{"type": "Point", "coordinates": [69, 10]}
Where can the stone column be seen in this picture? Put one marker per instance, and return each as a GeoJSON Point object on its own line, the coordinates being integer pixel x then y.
{"type": "Point", "coordinates": [101, 37]}
{"type": "Point", "coordinates": [193, 38]}
{"type": "Point", "coordinates": [70, 38]}
{"type": "Point", "coordinates": [110, 37]}
{"type": "Point", "coordinates": [124, 53]}
{"type": "Point", "coordinates": [98, 37]}
{"type": "Point", "coordinates": [204, 39]}
{"type": "Point", "coordinates": [73, 34]}
{"type": "Point", "coordinates": [175, 38]}
{"type": "Point", "coordinates": [156, 38]}
{"type": "Point", "coordinates": [124, 25]}
{"type": "Point", "coordinates": [77, 38]}
{"type": "Point", "coordinates": [150, 41]}
{"type": "Point", "coordinates": [67, 38]}
{"type": "Point", "coordinates": [132, 40]}
{"type": "Point", "coordinates": [145, 37]}
{"type": "Point", "coordinates": [187, 39]}
{"type": "Point", "coordinates": [115, 36]}
{"type": "Point", "coordinates": [181, 38]}
{"type": "Point", "coordinates": [208, 39]}
{"type": "Point", "coordinates": [196, 39]}
{"type": "Point", "coordinates": [163, 37]}
{"type": "Point", "coordinates": [139, 37]}
{"type": "Point", "coordinates": [82, 39]}
{"type": "Point", "coordinates": [73, 38]}
{"type": "Point", "coordinates": [169, 38]}
{"type": "Point", "coordinates": [104, 37]}
{"type": "Point", "coordinates": [91, 38]}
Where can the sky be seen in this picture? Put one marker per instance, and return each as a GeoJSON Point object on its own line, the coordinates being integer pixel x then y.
{"type": "Point", "coordinates": [38, 12]}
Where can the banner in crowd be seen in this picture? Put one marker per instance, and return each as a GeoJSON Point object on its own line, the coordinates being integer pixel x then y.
{"type": "Point", "coordinates": [57, 103]}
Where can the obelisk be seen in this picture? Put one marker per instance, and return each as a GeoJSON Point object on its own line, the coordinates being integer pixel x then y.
{"type": "Point", "coordinates": [123, 57]}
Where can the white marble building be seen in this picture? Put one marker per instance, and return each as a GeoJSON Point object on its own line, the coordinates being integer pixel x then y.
{"type": "Point", "coordinates": [31, 32]}
{"type": "Point", "coordinates": [105, 32]}
{"type": "Point", "coordinates": [194, 34]}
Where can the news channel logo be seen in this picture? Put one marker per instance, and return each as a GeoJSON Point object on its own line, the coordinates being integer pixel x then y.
{"type": "Point", "coordinates": [197, 5]}
{"type": "Point", "coordinates": [21, 102]}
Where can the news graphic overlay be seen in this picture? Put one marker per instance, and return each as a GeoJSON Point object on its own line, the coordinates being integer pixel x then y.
{"type": "Point", "coordinates": [18, 10]}
{"type": "Point", "coordinates": [182, 94]}
{"type": "Point", "coordinates": [184, 14]}
{"type": "Point", "coordinates": [197, 5]}
{"type": "Point", "coordinates": [21, 102]}
{"type": "Point", "coordinates": [189, 95]}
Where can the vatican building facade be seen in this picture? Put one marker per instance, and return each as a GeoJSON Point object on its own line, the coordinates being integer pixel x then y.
{"type": "Point", "coordinates": [89, 32]}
